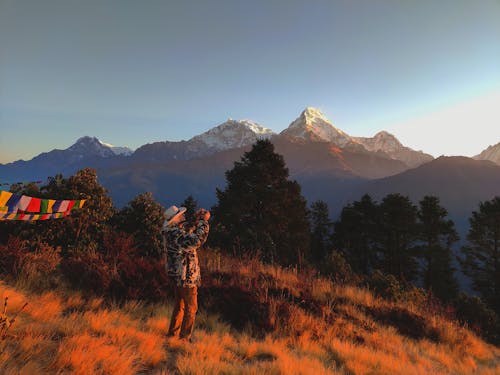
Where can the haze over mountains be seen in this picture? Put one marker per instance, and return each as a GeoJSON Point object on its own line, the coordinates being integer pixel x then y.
{"type": "Point", "coordinates": [328, 163]}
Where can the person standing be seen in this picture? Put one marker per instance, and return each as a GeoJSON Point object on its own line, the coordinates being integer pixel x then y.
{"type": "Point", "coordinates": [181, 244]}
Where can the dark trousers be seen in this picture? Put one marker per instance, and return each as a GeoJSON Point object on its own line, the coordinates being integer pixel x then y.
{"type": "Point", "coordinates": [186, 305]}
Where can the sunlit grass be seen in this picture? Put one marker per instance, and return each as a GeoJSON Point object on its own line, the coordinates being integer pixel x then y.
{"type": "Point", "coordinates": [327, 329]}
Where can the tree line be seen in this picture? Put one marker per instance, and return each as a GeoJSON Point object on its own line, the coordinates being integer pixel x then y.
{"type": "Point", "coordinates": [262, 213]}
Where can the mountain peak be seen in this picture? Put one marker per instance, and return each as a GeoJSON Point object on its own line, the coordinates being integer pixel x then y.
{"type": "Point", "coordinates": [388, 143]}
{"type": "Point", "coordinates": [384, 134]}
{"type": "Point", "coordinates": [492, 153]}
{"type": "Point", "coordinates": [87, 145]}
{"type": "Point", "coordinates": [232, 134]}
{"type": "Point", "coordinates": [313, 125]}
{"type": "Point", "coordinates": [87, 140]}
{"type": "Point", "coordinates": [311, 113]}
{"type": "Point", "coordinates": [241, 124]}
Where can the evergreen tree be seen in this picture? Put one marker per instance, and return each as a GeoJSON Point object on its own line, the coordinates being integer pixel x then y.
{"type": "Point", "coordinates": [260, 210]}
{"type": "Point", "coordinates": [143, 218]}
{"type": "Point", "coordinates": [191, 207]}
{"type": "Point", "coordinates": [436, 235]}
{"type": "Point", "coordinates": [397, 236]}
{"type": "Point", "coordinates": [481, 261]}
{"type": "Point", "coordinates": [355, 234]}
{"type": "Point", "coordinates": [321, 228]}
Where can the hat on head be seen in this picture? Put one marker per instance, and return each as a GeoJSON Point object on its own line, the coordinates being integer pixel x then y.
{"type": "Point", "coordinates": [173, 211]}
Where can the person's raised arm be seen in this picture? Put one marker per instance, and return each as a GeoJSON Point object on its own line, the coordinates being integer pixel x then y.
{"type": "Point", "coordinates": [200, 233]}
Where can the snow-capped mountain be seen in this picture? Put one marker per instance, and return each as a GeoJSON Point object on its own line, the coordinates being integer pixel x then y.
{"type": "Point", "coordinates": [312, 125]}
{"type": "Point", "coordinates": [91, 146]}
{"type": "Point", "coordinates": [85, 152]}
{"type": "Point", "coordinates": [232, 134]}
{"type": "Point", "coordinates": [492, 153]}
{"type": "Point", "coordinates": [228, 135]}
{"type": "Point", "coordinates": [119, 150]}
{"type": "Point", "coordinates": [389, 144]}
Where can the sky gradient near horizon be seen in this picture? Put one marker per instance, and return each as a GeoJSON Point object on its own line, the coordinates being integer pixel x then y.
{"type": "Point", "coordinates": [132, 73]}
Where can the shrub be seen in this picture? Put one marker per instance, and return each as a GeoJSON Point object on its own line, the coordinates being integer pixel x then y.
{"type": "Point", "coordinates": [38, 268]}
{"type": "Point", "coordinates": [139, 278]}
{"type": "Point", "coordinates": [88, 271]}
{"type": "Point", "coordinates": [41, 262]}
{"type": "Point", "coordinates": [12, 255]}
{"type": "Point", "coordinates": [483, 320]}
{"type": "Point", "coordinates": [117, 270]}
{"type": "Point", "coordinates": [337, 267]}
{"type": "Point", "coordinates": [386, 286]}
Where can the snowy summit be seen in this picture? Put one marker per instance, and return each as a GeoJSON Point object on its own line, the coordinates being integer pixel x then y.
{"type": "Point", "coordinates": [91, 146]}
{"type": "Point", "coordinates": [232, 134]}
{"type": "Point", "coordinates": [312, 125]}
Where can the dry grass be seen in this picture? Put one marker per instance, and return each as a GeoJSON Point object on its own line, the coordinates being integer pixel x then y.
{"type": "Point", "coordinates": [351, 332]}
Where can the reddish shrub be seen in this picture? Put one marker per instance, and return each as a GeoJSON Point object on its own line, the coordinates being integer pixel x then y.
{"type": "Point", "coordinates": [116, 244]}
{"type": "Point", "coordinates": [139, 278]}
{"type": "Point", "coordinates": [12, 255]}
{"type": "Point", "coordinates": [88, 272]}
{"type": "Point", "coordinates": [240, 307]}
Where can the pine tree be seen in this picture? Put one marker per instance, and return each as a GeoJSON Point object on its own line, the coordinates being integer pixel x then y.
{"type": "Point", "coordinates": [143, 218]}
{"type": "Point", "coordinates": [191, 207]}
{"type": "Point", "coordinates": [481, 261]}
{"type": "Point", "coordinates": [436, 236]}
{"type": "Point", "coordinates": [321, 228]}
{"type": "Point", "coordinates": [260, 210]}
{"type": "Point", "coordinates": [397, 236]}
{"type": "Point", "coordinates": [355, 234]}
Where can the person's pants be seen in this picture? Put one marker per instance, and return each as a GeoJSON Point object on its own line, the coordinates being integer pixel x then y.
{"type": "Point", "coordinates": [186, 305]}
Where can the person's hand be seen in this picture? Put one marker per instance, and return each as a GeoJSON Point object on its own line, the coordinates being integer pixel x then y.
{"type": "Point", "coordinates": [203, 214]}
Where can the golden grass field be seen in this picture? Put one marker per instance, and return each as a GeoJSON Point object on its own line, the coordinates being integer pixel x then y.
{"type": "Point", "coordinates": [64, 332]}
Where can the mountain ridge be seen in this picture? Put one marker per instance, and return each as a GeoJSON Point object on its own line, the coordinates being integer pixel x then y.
{"type": "Point", "coordinates": [492, 153]}
{"type": "Point", "coordinates": [311, 125]}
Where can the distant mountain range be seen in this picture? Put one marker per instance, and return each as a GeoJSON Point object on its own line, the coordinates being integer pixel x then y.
{"type": "Point", "coordinates": [328, 163]}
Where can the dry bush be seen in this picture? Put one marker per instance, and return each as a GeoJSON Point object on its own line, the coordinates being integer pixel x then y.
{"type": "Point", "coordinates": [88, 271]}
{"type": "Point", "coordinates": [117, 270]}
{"type": "Point", "coordinates": [39, 268]}
{"type": "Point", "coordinates": [43, 261]}
{"type": "Point", "coordinates": [12, 255]}
{"type": "Point", "coordinates": [139, 278]}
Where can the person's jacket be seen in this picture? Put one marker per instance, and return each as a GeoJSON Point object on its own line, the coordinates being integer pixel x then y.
{"type": "Point", "coordinates": [181, 249]}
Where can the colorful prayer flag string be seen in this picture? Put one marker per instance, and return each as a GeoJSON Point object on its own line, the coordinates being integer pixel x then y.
{"type": "Point", "coordinates": [32, 217]}
{"type": "Point", "coordinates": [19, 183]}
{"type": "Point", "coordinates": [22, 207]}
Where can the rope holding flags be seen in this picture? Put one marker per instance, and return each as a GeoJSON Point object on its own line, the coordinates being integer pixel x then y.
{"type": "Point", "coordinates": [23, 183]}
{"type": "Point", "coordinates": [22, 207]}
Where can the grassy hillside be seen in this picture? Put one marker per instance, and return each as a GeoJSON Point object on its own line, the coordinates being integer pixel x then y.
{"type": "Point", "coordinates": [254, 319]}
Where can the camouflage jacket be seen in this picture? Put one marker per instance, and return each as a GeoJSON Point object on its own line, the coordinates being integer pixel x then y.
{"type": "Point", "coordinates": [181, 252]}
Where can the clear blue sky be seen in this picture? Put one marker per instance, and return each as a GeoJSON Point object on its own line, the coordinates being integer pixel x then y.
{"type": "Point", "coordinates": [134, 72]}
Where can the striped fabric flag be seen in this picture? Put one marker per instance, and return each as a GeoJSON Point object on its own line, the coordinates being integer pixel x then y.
{"type": "Point", "coordinates": [22, 207]}
{"type": "Point", "coordinates": [23, 203]}
{"type": "Point", "coordinates": [32, 217]}
{"type": "Point", "coordinates": [34, 205]}
{"type": "Point", "coordinates": [4, 197]}
{"type": "Point", "coordinates": [63, 207]}
{"type": "Point", "coordinates": [12, 202]}
{"type": "Point", "coordinates": [50, 203]}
